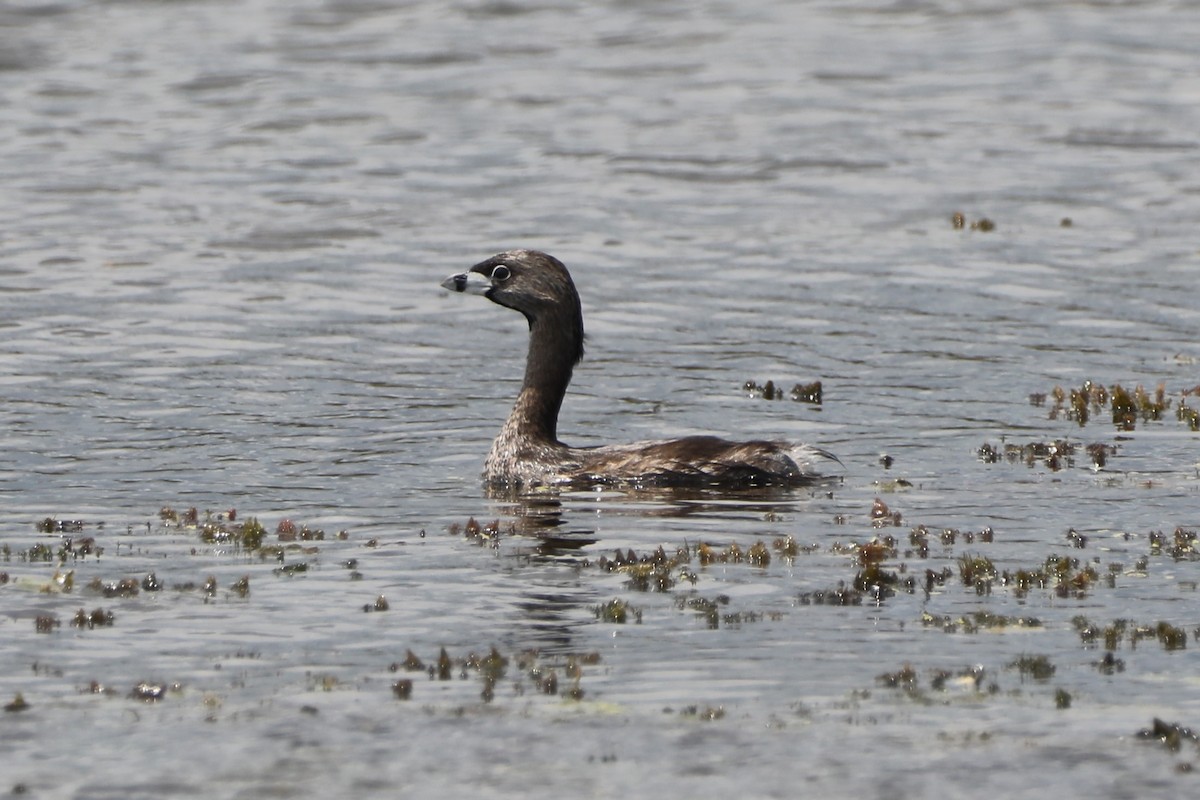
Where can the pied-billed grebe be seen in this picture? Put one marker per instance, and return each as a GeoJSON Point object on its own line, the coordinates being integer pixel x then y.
{"type": "Point", "coordinates": [528, 453]}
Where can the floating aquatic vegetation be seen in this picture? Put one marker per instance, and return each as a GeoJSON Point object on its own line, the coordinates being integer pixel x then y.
{"type": "Point", "coordinates": [97, 618]}
{"type": "Point", "coordinates": [877, 550]}
{"type": "Point", "coordinates": [882, 516]}
{"type": "Point", "coordinates": [951, 536]}
{"type": "Point", "coordinates": [443, 668]}
{"type": "Point", "coordinates": [767, 391]}
{"type": "Point", "coordinates": [1086, 630]}
{"type": "Point", "coordinates": [936, 578]}
{"type": "Point", "coordinates": [1188, 415]}
{"type": "Point", "coordinates": [491, 669]}
{"type": "Point", "coordinates": [125, 587]}
{"type": "Point", "coordinates": [918, 537]}
{"type": "Point", "coordinates": [617, 611]}
{"type": "Point", "coordinates": [1124, 409]}
{"type": "Point", "coordinates": [840, 595]}
{"type": "Point", "coordinates": [1057, 454]}
{"type": "Point", "coordinates": [989, 453]}
{"type": "Point", "coordinates": [738, 618]}
{"type": "Point", "coordinates": [287, 531]}
{"type": "Point", "coordinates": [545, 678]}
{"type": "Point", "coordinates": [653, 571]}
{"type": "Point", "coordinates": [1021, 581]}
{"type": "Point", "coordinates": [488, 534]}
{"type": "Point", "coordinates": [877, 582]}
{"type": "Point", "coordinates": [732, 554]}
{"type": "Point", "coordinates": [873, 579]}
{"type": "Point", "coordinates": [152, 691]}
{"type": "Point", "coordinates": [758, 555]}
{"type": "Point", "coordinates": [188, 519]}
{"type": "Point", "coordinates": [1171, 637]}
{"type": "Point", "coordinates": [224, 531]}
{"type": "Point", "coordinates": [324, 681]}
{"type": "Point", "coordinates": [80, 548]}
{"type": "Point", "coordinates": [893, 486]}
{"type": "Point", "coordinates": [1113, 634]}
{"type": "Point", "coordinates": [708, 608]}
{"type": "Point", "coordinates": [976, 571]}
{"type": "Point", "coordinates": [971, 677]}
{"type": "Point", "coordinates": [1126, 406]}
{"type": "Point", "coordinates": [411, 663]}
{"type": "Point", "coordinates": [1171, 735]}
{"type": "Point", "coordinates": [1182, 545]}
{"type": "Point", "coordinates": [1078, 404]}
{"type": "Point", "coordinates": [959, 220]}
{"type": "Point", "coordinates": [705, 714]}
{"type": "Point", "coordinates": [52, 525]}
{"type": "Point", "coordinates": [250, 534]}
{"type": "Point", "coordinates": [380, 604]}
{"type": "Point", "coordinates": [208, 587]}
{"type": "Point", "coordinates": [1070, 576]}
{"type": "Point", "coordinates": [787, 548]}
{"type": "Point", "coordinates": [645, 577]}
{"type": "Point", "coordinates": [904, 679]}
{"type": "Point", "coordinates": [38, 552]}
{"type": "Point", "coordinates": [1037, 667]}
{"type": "Point", "coordinates": [492, 666]}
{"type": "Point", "coordinates": [60, 583]}
{"type": "Point", "coordinates": [810, 393]}
{"type": "Point", "coordinates": [986, 620]}
{"type": "Point", "coordinates": [1065, 575]}
{"type": "Point", "coordinates": [1077, 539]}
{"type": "Point", "coordinates": [943, 621]}
{"type": "Point", "coordinates": [17, 704]}
{"type": "Point", "coordinates": [977, 621]}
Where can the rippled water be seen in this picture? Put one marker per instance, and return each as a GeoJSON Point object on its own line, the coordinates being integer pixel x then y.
{"type": "Point", "coordinates": [222, 231]}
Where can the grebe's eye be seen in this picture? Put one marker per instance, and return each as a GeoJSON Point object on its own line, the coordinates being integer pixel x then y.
{"type": "Point", "coordinates": [501, 273]}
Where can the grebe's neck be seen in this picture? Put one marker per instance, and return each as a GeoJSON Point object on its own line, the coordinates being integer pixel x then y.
{"type": "Point", "coordinates": [555, 346]}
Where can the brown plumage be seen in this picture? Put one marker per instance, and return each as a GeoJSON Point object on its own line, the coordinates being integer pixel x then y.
{"type": "Point", "coordinates": [527, 451]}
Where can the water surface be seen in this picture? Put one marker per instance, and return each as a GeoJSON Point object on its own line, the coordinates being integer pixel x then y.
{"type": "Point", "coordinates": [224, 226]}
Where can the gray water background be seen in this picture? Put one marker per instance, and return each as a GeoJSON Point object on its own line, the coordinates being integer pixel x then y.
{"type": "Point", "coordinates": [222, 229]}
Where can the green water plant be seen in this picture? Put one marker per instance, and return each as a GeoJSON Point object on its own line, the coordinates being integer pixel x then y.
{"type": "Point", "coordinates": [1037, 667]}
{"type": "Point", "coordinates": [617, 611]}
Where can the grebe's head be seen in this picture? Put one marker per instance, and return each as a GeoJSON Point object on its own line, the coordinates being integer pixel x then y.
{"type": "Point", "coordinates": [530, 281]}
